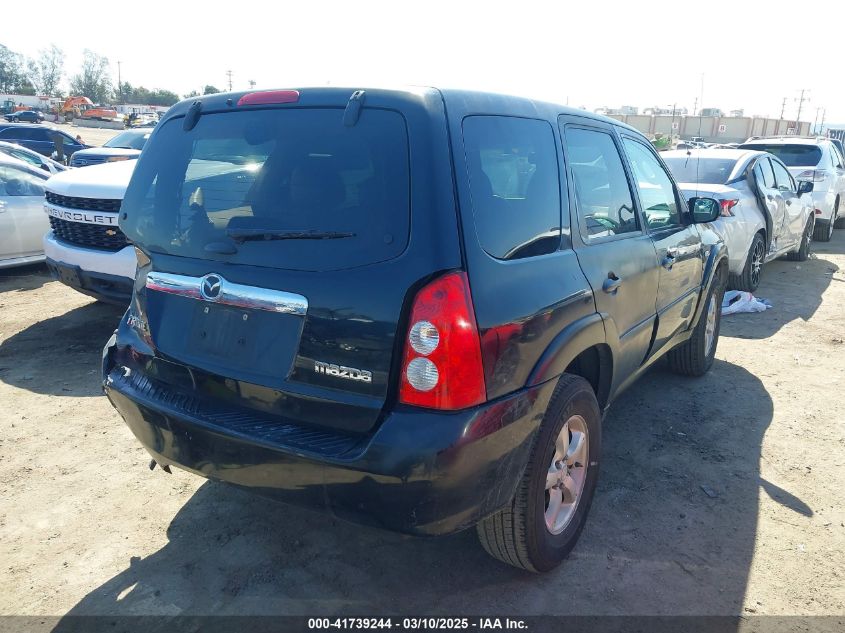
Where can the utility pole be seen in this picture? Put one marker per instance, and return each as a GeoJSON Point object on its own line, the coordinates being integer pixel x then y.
{"type": "Point", "coordinates": [824, 112]}
{"type": "Point", "coordinates": [800, 105]}
{"type": "Point", "coordinates": [251, 84]}
{"type": "Point", "coordinates": [229, 74]}
{"type": "Point", "coordinates": [672, 129]}
{"type": "Point", "coordinates": [695, 106]}
{"type": "Point", "coordinates": [815, 122]}
{"type": "Point", "coordinates": [782, 109]}
{"type": "Point", "coordinates": [119, 84]}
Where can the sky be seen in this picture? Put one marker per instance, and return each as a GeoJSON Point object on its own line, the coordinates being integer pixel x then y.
{"type": "Point", "coordinates": [591, 53]}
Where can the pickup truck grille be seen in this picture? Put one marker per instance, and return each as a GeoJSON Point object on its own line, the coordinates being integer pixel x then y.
{"type": "Point", "coordinates": [108, 238]}
{"type": "Point", "coordinates": [84, 161]}
{"type": "Point", "coordinates": [105, 205]}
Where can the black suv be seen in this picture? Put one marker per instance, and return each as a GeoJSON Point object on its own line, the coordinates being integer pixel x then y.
{"type": "Point", "coordinates": [405, 308]}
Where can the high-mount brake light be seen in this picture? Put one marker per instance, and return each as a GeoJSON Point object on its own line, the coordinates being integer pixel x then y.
{"type": "Point", "coordinates": [441, 364]}
{"type": "Point", "coordinates": [267, 97]}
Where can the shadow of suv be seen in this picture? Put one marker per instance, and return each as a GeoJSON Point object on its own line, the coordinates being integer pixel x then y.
{"type": "Point", "coordinates": [408, 309]}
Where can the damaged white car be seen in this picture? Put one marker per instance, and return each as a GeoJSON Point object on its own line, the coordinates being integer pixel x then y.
{"type": "Point", "coordinates": [765, 213]}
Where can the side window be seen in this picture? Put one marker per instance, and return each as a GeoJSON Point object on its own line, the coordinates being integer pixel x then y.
{"type": "Point", "coordinates": [834, 154]}
{"type": "Point", "coordinates": [12, 133]}
{"type": "Point", "coordinates": [16, 182]}
{"type": "Point", "coordinates": [764, 173]}
{"type": "Point", "coordinates": [514, 184]}
{"type": "Point", "coordinates": [657, 194]}
{"type": "Point", "coordinates": [605, 205]}
{"type": "Point", "coordinates": [782, 177]}
{"type": "Point", "coordinates": [29, 158]}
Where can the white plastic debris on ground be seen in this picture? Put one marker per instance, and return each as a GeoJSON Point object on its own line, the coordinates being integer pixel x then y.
{"type": "Point", "coordinates": [736, 301]}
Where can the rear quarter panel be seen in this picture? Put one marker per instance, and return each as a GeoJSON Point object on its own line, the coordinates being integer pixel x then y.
{"type": "Point", "coordinates": [521, 305]}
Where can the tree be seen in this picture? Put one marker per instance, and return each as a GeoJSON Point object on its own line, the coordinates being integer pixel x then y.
{"type": "Point", "coordinates": [93, 80]}
{"type": "Point", "coordinates": [191, 94]}
{"type": "Point", "coordinates": [210, 90]}
{"type": "Point", "coordinates": [143, 96]}
{"type": "Point", "coordinates": [48, 69]}
{"type": "Point", "coordinates": [13, 75]}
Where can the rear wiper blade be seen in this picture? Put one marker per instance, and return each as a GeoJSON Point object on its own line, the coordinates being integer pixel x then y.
{"type": "Point", "coordinates": [243, 235]}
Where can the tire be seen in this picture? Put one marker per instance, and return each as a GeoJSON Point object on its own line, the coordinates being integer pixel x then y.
{"type": "Point", "coordinates": [823, 231]}
{"type": "Point", "coordinates": [519, 534]}
{"type": "Point", "coordinates": [694, 357]}
{"type": "Point", "coordinates": [749, 278]}
{"type": "Point", "coordinates": [803, 251]}
{"type": "Point", "coordinates": [840, 221]}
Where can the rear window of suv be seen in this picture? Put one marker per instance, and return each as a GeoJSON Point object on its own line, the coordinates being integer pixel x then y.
{"type": "Point", "coordinates": [282, 188]}
{"type": "Point", "coordinates": [791, 155]}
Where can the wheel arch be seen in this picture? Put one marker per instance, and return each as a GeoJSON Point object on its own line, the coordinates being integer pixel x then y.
{"type": "Point", "coordinates": [581, 349]}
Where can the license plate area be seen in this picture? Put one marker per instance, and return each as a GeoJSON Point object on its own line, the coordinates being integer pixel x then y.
{"type": "Point", "coordinates": [223, 333]}
{"type": "Point", "coordinates": [69, 275]}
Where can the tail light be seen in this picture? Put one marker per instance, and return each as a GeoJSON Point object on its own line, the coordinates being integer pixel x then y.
{"type": "Point", "coordinates": [441, 365]}
{"type": "Point", "coordinates": [813, 175]}
{"type": "Point", "coordinates": [727, 207]}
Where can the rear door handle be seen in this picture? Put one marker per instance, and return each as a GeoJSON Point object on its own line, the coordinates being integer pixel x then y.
{"type": "Point", "coordinates": [611, 284]}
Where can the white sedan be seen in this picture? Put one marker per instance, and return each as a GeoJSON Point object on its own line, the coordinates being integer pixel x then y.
{"type": "Point", "coordinates": [33, 158]}
{"type": "Point", "coordinates": [765, 213]}
{"type": "Point", "coordinates": [22, 218]}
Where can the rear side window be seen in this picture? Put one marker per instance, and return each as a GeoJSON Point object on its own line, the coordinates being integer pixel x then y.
{"type": "Point", "coordinates": [782, 178]}
{"type": "Point", "coordinates": [791, 155]}
{"type": "Point", "coordinates": [285, 188]}
{"type": "Point", "coordinates": [514, 184]}
{"type": "Point", "coordinates": [763, 170]}
{"type": "Point", "coordinates": [605, 205]}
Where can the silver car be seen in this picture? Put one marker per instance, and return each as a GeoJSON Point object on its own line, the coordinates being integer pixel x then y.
{"type": "Point", "coordinates": [22, 218]}
{"type": "Point", "coordinates": [815, 160]}
{"type": "Point", "coordinates": [765, 213]}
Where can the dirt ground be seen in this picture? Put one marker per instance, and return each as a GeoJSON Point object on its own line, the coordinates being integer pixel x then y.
{"type": "Point", "coordinates": [719, 495]}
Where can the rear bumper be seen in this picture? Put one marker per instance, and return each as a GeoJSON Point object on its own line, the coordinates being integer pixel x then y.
{"type": "Point", "coordinates": [421, 472]}
{"type": "Point", "coordinates": [104, 275]}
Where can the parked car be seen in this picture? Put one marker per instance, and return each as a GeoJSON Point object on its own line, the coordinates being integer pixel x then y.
{"type": "Point", "coordinates": [124, 146]}
{"type": "Point", "coordinates": [85, 248]}
{"type": "Point", "coordinates": [765, 213]}
{"type": "Point", "coordinates": [22, 221]}
{"type": "Point", "coordinates": [839, 145]}
{"type": "Point", "coordinates": [395, 306]}
{"type": "Point", "coordinates": [33, 158]}
{"type": "Point", "coordinates": [40, 138]}
{"type": "Point", "coordinates": [25, 116]}
{"type": "Point", "coordinates": [815, 160]}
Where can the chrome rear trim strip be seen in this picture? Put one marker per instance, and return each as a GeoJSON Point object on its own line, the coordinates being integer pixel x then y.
{"type": "Point", "coordinates": [215, 289]}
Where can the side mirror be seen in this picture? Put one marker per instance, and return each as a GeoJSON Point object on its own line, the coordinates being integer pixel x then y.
{"type": "Point", "coordinates": [804, 186]}
{"type": "Point", "coordinates": [704, 210]}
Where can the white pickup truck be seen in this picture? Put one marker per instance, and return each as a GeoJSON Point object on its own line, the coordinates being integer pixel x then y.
{"type": "Point", "coordinates": [85, 248]}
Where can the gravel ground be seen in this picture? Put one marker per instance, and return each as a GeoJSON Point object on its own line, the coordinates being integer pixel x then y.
{"type": "Point", "coordinates": [719, 495]}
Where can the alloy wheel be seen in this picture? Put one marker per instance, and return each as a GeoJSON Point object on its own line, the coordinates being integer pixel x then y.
{"type": "Point", "coordinates": [756, 263]}
{"type": "Point", "coordinates": [710, 326]}
{"type": "Point", "coordinates": [567, 474]}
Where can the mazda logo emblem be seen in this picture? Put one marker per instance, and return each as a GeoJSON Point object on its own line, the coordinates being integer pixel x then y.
{"type": "Point", "coordinates": [210, 287]}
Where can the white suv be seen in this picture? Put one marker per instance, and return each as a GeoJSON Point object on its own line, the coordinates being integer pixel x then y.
{"type": "Point", "coordinates": [85, 248]}
{"type": "Point", "coordinates": [815, 160]}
